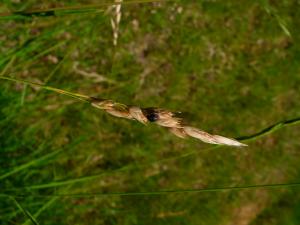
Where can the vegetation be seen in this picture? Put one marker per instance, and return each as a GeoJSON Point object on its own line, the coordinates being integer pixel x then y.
{"type": "Point", "coordinates": [231, 68]}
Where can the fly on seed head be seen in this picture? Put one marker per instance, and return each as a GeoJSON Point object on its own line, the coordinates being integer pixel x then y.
{"type": "Point", "coordinates": [151, 114]}
{"type": "Point", "coordinates": [165, 118]}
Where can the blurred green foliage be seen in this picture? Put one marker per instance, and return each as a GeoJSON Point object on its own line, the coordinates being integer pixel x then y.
{"type": "Point", "coordinates": [231, 67]}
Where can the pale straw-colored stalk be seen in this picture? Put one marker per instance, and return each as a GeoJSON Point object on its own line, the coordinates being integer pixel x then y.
{"type": "Point", "coordinates": [115, 20]}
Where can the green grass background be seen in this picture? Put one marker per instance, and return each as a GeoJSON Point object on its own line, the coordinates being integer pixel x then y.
{"type": "Point", "coordinates": [232, 68]}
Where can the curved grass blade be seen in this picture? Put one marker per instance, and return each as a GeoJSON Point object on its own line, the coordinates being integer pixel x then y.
{"type": "Point", "coordinates": [52, 200]}
{"type": "Point", "coordinates": [29, 164]}
{"type": "Point", "coordinates": [164, 192]}
{"type": "Point", "coordinates": [54, 184]}
{"type": "Point", "coordinates": [270, 129]}
{"type": "Point", "coordinates": [40, 210]}
{"type": "Point", "coordinates": [80, 97]}
{"type": "Point", "coordinates": [8, 65]}
{"type": "Point", "coordinates": [39, 160]}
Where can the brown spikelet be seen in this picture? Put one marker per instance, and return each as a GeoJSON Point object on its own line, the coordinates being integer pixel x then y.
{"type": "Point", "coordinates": [179, 132]}
{"type": "Point", "coordinates": [102, 104]}
{"type": "Point", "coordinates": [137, 113]}
{"type": "Point", "coordinates": [119, 110]}
{"type": "Point", "coordinates": [201, 135]}
{"type": "Point", "coordinates": [209, 138]}
{"type": "Point", "coordinates": [167, 119]}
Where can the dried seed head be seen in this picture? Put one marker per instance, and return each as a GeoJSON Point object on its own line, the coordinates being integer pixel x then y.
{"type": "Point", "coordinates": [138, 114]}
{"type": "Point", "coordinates": [169, 122]}
{"type": "Point", "coordinates": [103, 104]}
{"type": "Point", "coordinates": [118, 113]}
{"type": "Point", "coordinates": [111, 107]}
{"type": "Point", "coordinates": [212, 139]}
{"type": "Point", "coordinates": [201, 135]}
{"type": "Point", "coordinates": [163, 118]}
{"type": "Point", "coordinates": [229, 141]}
{"type": "Point", "coordinates": [119, 110]}
{"type": "Point", "coordinates": [179, 132]}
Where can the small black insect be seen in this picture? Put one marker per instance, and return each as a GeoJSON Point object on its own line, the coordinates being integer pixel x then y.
{"type": "Point", "coordinates": [152, 117]}
{"type": "Point", "coordinates": [151, 114]}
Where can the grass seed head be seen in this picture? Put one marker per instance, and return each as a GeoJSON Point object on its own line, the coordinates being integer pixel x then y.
{"type": "Point", "coordinates": [162, 118]}
{"type": "Point", "coordinates": [119, 110]}
{"type": "Point", "coordinates": [229, 141]}
{"type": "Point", "coordinates": [179, 132]}
{"type": "Point", "coordinates": [137, 113]}
{"type": "Point", "coordinates": [103, 104]}
{"type": "Point", "coordinates": [212, 139]}
{"type": "Point", "coordinates": [201, 135]}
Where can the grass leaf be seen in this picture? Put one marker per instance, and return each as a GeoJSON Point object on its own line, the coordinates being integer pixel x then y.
{"type": "Point", "coordinates": [25, 212]}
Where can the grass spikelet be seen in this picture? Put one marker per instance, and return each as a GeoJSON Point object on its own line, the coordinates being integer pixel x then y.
{"type": "Point", "coordinates": [179, 132]}
{"type": "Point", "coordinates": [137, 113]}
{"type": "Point", "coordinates": [115, 21]}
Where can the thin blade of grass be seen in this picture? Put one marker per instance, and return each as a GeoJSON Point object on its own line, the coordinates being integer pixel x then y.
{"type": "Point", "coordinates": [55, 184]}
{"type": "Point", "coordinates": [270, 129]}
{"type": "Point", "coordinates": [39, 160]}
{"type": "Point", "coordinates": [164, 192]}
{"type": "Point", "coordinates": [273, 12]}
{"type": "Point", "coordinates": [46, 51]}
{"type": "Point", "coordinates": [8, 65]}
{"type": "Point", "coordinates": [52, 200]}
{"type": "Point", "coordinates": [69, 51]}
{"type": "Point", "coordinates": [80, 97]}
{"type": "Point", "coordinates": [43, 208]}
{"type": "Point", "coordinates": [23, 94]}
{"type": "Point", "coordinates": [25, 212]}
{"type": "Point", "coordinates": [82, 9]}
{"type": "Point", "coordinates": [29, 164]}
